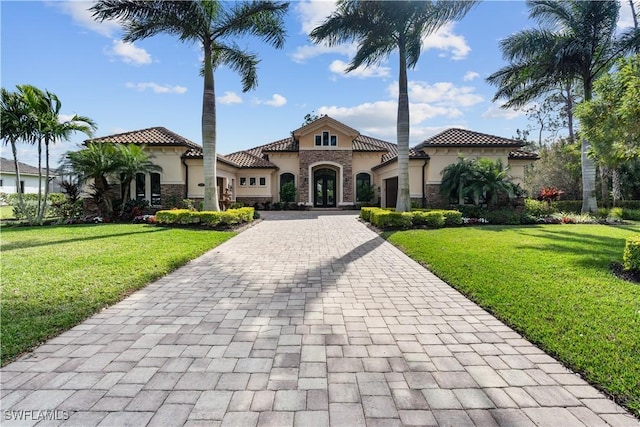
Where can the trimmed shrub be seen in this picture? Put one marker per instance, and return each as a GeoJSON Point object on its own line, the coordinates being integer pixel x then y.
{"type": "Point", "coordinates": [452, 217]}
{"type": "Point", "coordinates": [631, 214]}
{"type": "Point", "coordinates": [206, 218]}
{"type": "Point", "coordinates": [432, 219]}
{"type": "Point", "coordinates": [388, 219]}
{"type": "Point", "coordinates": [537, 208]}
{"type": "Point", "coordinates": [629, 204]}
{"type": "Point", "coordinates": [631, 255]}
{"type": "Point", "coordinates": [365, 213]}
{"type": "Point", "coordinates": [616, 213]}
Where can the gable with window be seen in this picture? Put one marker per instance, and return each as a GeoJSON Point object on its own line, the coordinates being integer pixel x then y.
{"type": "Point", "coordinates": [326, 139]}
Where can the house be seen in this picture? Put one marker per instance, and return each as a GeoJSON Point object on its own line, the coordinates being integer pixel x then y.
{"type": "Point", "coordinates": [328, 162]}
{"type": "Point", "coordinates": [29, 179]}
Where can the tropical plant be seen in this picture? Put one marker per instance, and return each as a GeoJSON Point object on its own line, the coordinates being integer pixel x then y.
{"type": "Point", "coordinates": [489, 179]}
{"type": "Point", "coordinates": [288, 192]}
{"type": "Point", "coordinates": [14, 129]}
{"type": "Point", "coordinates": [33, 116]}
{"type": "Point", "coordinates": [381, 28]}
{"type": "Point", "coordinates": [132, 159]}
{"type": "Point", "coordinates": [456, 178]}
{"type": "Point", "coordinates": [577, 41]}
{"type": "Point", "coordinates": [95, 163]}
{"type": "Point", "coordinates": [213, 25]}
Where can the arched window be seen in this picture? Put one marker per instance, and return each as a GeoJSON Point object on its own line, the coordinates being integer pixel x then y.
{"type": "Point", "coordinates": [156, 196]}
{"type": "Point", "coordinates": [364, 190]}
{"type": "Point", "coordinates": [141, 187]}
{"type": "Point", "coordinates": [287, 180]}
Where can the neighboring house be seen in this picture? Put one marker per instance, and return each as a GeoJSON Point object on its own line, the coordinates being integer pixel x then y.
{"type": "Point", "coordinates": [326, 160]}
{"type": "Point", "coordinates": [29, 180]}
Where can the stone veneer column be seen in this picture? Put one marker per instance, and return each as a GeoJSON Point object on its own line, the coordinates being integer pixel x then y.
{"type": "Point", "coordinates": [341, 157]}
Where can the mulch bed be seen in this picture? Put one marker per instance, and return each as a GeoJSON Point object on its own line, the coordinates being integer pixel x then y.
{"type": "Point", "coordinates": [631, 276]}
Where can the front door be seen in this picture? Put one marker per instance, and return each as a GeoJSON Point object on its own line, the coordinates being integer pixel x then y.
{"type": "Point", "coordinates": [324, 182]}
{"type": "Point", "coordinates": [391, 192]}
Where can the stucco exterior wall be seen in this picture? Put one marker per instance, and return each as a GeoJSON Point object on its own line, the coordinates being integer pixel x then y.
{"type": "Point", "coordinates": [254, 191]}
{"type": "Point", "coordinates": [287, 163]}
{"type": "Point", "coordinates": [344, 135]}
{"type": "Point", "coordinates": [442, 157]}
{"type": "Point", "coordinates": [169, 159]}
{"type": "Point", "coordinates": [30, 183]}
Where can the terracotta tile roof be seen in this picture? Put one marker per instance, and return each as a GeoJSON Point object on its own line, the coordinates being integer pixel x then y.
{"type": "Point", "coordinates": [151, 136]}
{"type": "Point", "coordinates": [523, 155]}
{"type": "Point", "coordinates": [367, 143]}
{"type": "Point", "coordinates": [465, 138]}
{"type": "Point", "coordinates": [7, 166]}
{"type": "Point", "coordinates": [245, 159]}
{"type": "Point", "coordinates": [286, 145]}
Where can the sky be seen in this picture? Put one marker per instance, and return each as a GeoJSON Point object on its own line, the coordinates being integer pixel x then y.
{"type": "Point", "coordinates": [56, 45]}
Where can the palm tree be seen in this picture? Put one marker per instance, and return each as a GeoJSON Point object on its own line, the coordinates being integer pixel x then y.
{"type": "Point", "coordinates": [490, 179]}
{"type": "Point", "coordinates": [51, 130]}
{"type": "Point", "coordinates": [132, 159]}
{"type": "Point", "coordinates": [95, 163]}
{"type": "Point", "coordinates": [13, 129]}
{"type": "Point", "coordinates": [456, 179]}
{"type": "Point", "coordinates": [213, 25]}
{"type": "Point", "coordinates": [381, 28]}
{"type": "Point", "coordinates": [578, 41]}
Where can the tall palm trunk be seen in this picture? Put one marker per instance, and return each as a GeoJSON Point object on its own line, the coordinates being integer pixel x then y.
{"type": "Point", "coordinates": [21, 205]}
{"type": "Point", "coordinates": [43, 208]}
{"type": "Point", "coordinates": [403, 203]}
{"type": "Point", "coordinates": [39, 208]}
{"type": "Point", "coordinates": [588, 166]}
{"type": "Point", "coordinates": [569, 107]}
{"type": "Point", "coordinates": [209, 133]}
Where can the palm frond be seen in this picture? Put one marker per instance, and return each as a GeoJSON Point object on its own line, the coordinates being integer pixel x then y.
{"type": "Point", "coordinates": [241, 61]}
{"type": "Point", "coordinates": [263, 19]}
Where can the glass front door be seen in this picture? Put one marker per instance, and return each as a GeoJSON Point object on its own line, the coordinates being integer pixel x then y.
{"type": "Point", "coordinates": [324, 182]}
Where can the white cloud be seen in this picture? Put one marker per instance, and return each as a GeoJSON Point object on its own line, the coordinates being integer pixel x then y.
{"type": "Point", "coordinates": [626, 17]}
{"type": "Point", "coordinates": [79, 12]}
{"type": "Point", "coordinates": [313, 13]}
{"type": "Point", "coordinates": [446, 40]}
{"type": "Point", "coordinates": [129, 53]}
{"type": "Point", "coordinates": [497, 112]}
{"type": "Point", "coordinates": [230, 98]}
{"type": "Point", "coordinates": [339, 67]}
{"type": "Point", "coordinates": [470, 75]}
{"type": "Point", "coordinates": [276, 100]}
{"type": "Point", "coordinates": [156, 87]}
{"type": "Point", "coordinates": [440, 93]}
{"type": "Point", "coordinates": [302, 53]}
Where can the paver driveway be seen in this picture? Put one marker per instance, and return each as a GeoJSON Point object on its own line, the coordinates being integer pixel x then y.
{"type": "Point", "coordinates": [303, 319]}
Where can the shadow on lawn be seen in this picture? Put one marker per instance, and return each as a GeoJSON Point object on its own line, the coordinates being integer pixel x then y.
{"type": "Point", "coordinates": [24, 244]}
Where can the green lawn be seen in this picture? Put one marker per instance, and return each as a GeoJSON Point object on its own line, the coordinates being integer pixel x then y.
{"type": "Point", "coordinates": [551, 283]}
{"type": "Point", "coordinates": [54, 277]}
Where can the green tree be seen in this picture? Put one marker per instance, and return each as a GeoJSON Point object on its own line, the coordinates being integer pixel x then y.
{"type": "Point", "coordinates": [456, 179]}
{"type": "Point", "coordinates": [131, 160]}
{"type": "Point", "coordinates": [14, 128]}
{"type": "Point", "coordinates": [577, 40]}
{"type": "Point", "coordinates": [96, 163]}
{"type": "Point", "coordinates": [558, 167]}
{"type": "Point", "coordinates": [213, 25]}
{"type": "Point", "coordinates": [610, 120]}
{"type": "Point", "coordinates": [381, 28]}
{"type": "Point", "coordinates": [288, 192]}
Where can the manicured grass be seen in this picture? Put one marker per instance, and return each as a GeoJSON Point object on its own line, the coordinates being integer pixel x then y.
{"type": "Point", "coordinates": [551, 283]}
{"type": "Point", "coordinates": [54, 277]}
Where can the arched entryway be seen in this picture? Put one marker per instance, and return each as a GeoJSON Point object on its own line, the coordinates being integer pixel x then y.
{"type": "Point", "coordinates": [325, 188]}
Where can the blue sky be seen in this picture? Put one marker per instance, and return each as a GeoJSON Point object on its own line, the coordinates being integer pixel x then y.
{"type": "Point", "coordinates": [56, 45]}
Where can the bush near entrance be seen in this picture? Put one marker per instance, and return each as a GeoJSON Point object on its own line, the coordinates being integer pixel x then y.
{"type": "Point", "coordinates": [205, 218]}
{"type": "Point", "coordinates": [631, 255]}
{"type": "Point", "coordinates": [386, 218]}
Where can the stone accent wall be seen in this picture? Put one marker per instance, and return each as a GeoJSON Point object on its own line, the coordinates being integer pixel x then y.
{"type": "Point", "coordinates": [434, 198]}
{"type": "Point", "coordinates": [342, 157]}
{"type": "Point", "coordinates": [172, 191]}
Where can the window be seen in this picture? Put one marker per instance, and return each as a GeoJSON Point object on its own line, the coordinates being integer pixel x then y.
{"type": "Point", "coordinates": [252, 181]}
{"type": "Point", "coordinates": [364, 190]}
{"type": "Point", "coordinates": [1, 183]}
{"type": "Point", "coordinates": [156, 198]}
{"type": "Point", "coordinates": [21, 189]}
{"type": "Point", "coordinates": [263, 181]}
{"type": "Point", "coordinates": [140, 186]}
{"type": "Point", "coordinates": [243, 181]}
{"type": "Point", "coordinates": [326, 140]}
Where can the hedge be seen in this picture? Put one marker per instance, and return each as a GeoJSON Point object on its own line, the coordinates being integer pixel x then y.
{"type": "Point", "coordinates": [386, 218]}
{"type": "Point", "coordinates": [205, 218]}
{"type": "Point", "coordinates": [631, 255]}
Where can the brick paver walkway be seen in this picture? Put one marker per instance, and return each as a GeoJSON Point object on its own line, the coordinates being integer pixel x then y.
{"type": "Point", "coordinates": [308, 321]}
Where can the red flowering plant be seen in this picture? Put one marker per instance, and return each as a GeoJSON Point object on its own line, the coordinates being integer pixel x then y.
{"type": "Point", "coordinates": [549, 194]}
